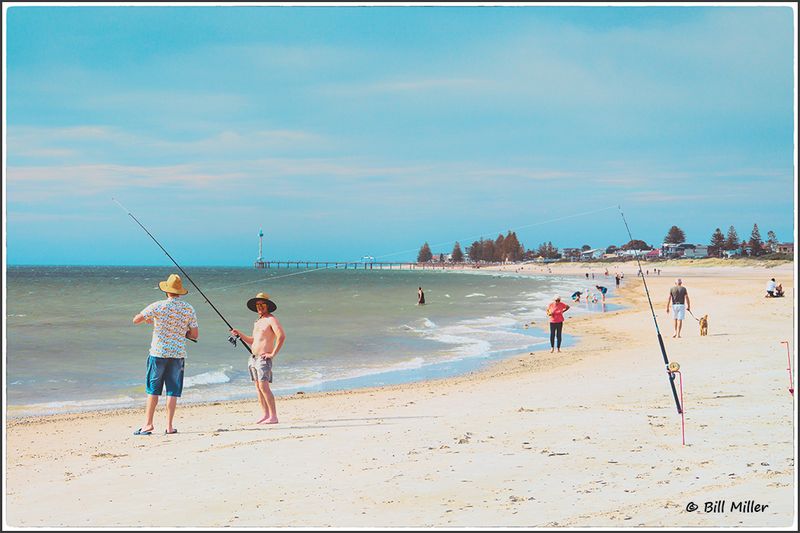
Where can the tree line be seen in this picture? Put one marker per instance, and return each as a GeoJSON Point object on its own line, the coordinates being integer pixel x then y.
{"type": "Point", "coordinates": [508, 247]}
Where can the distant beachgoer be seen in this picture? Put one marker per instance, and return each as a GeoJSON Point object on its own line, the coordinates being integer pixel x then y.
{"type": "Point", "coordinates": [556, 311]}
{"type": "Point", "coordinates": [616, 279]}
{"type": "Point", "coordinates": [266, 342]}
{"type": "Point", "coordinates": [779, 291]}
{"type": "Point", "coordinates": [602, 290]}
{"type": "Point", "coordinates": [173, 322]}
{"type": "Point", "coordinates": [770, 289]}
{"type": "Point", "coordinates": [679, 299]}
{"type": "Point", "coordinates": [576, 296]}
{"type": "Point", "coordinates": [587, 275]}
{"type": "Point", "coordinates": [420, 297]}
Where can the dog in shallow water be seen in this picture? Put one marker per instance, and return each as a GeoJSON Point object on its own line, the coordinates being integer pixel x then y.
{"type": "Point", "coordinates": [704, 325]}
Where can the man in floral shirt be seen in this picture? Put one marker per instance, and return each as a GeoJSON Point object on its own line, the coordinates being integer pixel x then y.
{"type": "Point", "coordinates": [173, 322]}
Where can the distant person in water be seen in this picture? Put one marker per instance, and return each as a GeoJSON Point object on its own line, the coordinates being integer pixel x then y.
{"type": "Point", "coordinates": [555, 311]}
{"type": "Point", "coordinates": [576, 296]}
{"type": "Point", "coordinates": [268, 337]}
{"type": "Point", "coordinates": [420, 297]}
{"type": "Point", "coordinates": [603, 291]}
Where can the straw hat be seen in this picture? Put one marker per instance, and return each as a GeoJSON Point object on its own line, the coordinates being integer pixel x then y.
{"type": "Point", "coordinates": [261, 297]}
{"type": "Point", "coordinates": [173, 285]}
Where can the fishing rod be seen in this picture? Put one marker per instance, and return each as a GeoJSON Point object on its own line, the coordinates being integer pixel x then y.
{"type": "Point", "coordinates": [669, 366]}
{"type": "Point", "coordinates": [232, 339]}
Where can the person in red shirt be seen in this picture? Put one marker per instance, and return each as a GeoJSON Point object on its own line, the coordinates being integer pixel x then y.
{"type": "Point", "coordinates": [556, 311]}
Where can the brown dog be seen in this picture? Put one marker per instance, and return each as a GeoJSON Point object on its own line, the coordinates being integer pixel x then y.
{"type": "Point", "coordinates": [704, 325]}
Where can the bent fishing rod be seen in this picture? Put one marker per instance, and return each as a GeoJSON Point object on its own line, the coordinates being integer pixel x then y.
{"type": "Point", "coordinates": [670, 373]}
{"type": "Point", "coordinates": [232, 339]}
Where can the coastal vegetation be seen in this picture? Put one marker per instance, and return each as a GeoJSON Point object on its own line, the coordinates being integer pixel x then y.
{"type": "Point", "coordinates": [508, 248]}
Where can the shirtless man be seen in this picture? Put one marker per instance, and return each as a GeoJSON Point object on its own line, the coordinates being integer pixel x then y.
{"type": "Point", "coordinates": [267, 339]}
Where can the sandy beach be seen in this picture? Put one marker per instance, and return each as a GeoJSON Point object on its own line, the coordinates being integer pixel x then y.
{"type": "Point", "coordinates": [588, 437]}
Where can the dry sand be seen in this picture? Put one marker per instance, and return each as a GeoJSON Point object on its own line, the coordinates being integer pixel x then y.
{"type": "Point", "coordinates": [588, 437]}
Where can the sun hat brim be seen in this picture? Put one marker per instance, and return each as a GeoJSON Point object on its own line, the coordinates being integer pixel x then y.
{"type": "Point", "coordinates": [251, 304]}
{"type": "Point", "coordinates": [171, 290]}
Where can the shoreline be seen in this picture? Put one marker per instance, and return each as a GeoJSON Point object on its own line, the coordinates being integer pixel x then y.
{"type": "Point", "coordinates": [588, 437]}
{"type": "Point", "coordinates": [437, 369]}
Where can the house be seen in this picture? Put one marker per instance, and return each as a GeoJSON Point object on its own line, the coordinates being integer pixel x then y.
{"type": "Point", "coordinates": [696, 250]}
{"type": "Point", "coordinates": [631, 253]}
{"type": "Point", "coordinates": [573, 254]}
{"type": "Point", "coordinates": [652, 254]}
{"type": "Point", "coordinates": [785, 248]}
{"type": "Point", "coordinates": [595, 253]}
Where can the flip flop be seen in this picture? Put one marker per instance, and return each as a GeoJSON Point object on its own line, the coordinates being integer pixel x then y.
{"type": "Point", "coordinates": [170, 432]}
{"type": "Point", "coordinates": [140, 432]}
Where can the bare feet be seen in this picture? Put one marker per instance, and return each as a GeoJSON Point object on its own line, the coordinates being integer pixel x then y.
{"type": "Point", "coordinates": [262, 419]}
{"type": "Point", "coordinates": [273, 420]}
{"type": "Point", "coordinates": [559, 350]}
{"type": "Point", "coordinates": [551, 350]}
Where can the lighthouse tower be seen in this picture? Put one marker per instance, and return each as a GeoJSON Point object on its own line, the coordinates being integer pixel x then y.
{"type": "Point", "coordinates": [260, 263]}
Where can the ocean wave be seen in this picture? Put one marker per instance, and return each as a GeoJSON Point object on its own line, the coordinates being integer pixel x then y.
{"type": "Point", "coordinates": [214, 377]}
{"type": "Point", "coordinates": [474, 294]}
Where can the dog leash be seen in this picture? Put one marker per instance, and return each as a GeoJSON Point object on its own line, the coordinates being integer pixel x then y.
{"type": "Point", "coordinates": [690, 312]}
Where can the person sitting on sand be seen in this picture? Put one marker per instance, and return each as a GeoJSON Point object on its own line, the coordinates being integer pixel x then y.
{"type": "Point", "coordinates": [770, 289]}
{"type": "Point", "coordinates": [556, 311]}
{"type": "Point", "coordinates": [779, 291]}
{"type": "Point", "coordinates": [268, 337]}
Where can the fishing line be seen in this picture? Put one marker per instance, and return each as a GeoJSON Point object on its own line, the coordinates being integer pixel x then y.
{"type": "Point", "coordinates": [233, 338]}
{"type": "Point", "coordinates": [658, 332]}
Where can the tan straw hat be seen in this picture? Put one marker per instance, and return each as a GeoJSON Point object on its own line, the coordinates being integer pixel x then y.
{"type": "Point", "coordinates": [173, 285]}
{"type": "Point", "coordinates": [261, 297]}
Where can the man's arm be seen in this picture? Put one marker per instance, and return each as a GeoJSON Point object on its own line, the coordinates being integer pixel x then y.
{"type": "Point", "coordinates": [688, 304]}
{"type": "Point", "coordinates": [669, 301]}
{"type": "Point", "coordinates": [280, 336]}
{"type": "Point", "coordinates": [139, 318]}
{"type": "Point", "coordinates": [245, 338]}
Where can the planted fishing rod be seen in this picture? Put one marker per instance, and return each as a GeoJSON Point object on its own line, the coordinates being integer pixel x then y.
{"type": "Point", "coordinates": [232, 339]}
{"type": "Point", "coordinates": [671, 367]}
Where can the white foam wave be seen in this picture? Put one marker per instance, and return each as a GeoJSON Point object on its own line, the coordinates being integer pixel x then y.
{"type": "Point", "coordinates": [215, 377]}
{"type": "Point", "coordinates": [474, 294]}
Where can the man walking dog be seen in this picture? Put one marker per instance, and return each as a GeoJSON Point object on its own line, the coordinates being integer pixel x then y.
{"type": "Point", "coordinates": [679, 299]}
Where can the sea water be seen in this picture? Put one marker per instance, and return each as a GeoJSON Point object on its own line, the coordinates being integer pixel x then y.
{"type": "Point", "coordinates": [72, 346]}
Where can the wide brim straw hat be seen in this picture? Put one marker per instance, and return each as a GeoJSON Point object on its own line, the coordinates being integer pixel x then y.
{"type": "Point", "coordinates": [173, 285]}
{"type": "Point", "coordinates": [263, 297]}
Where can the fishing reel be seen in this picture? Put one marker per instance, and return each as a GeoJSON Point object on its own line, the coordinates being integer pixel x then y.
{"type": "Point", "coordinates": [232, 339]}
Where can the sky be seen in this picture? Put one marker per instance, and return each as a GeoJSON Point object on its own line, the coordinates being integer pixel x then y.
{"type": "Point", "coordinates": [345, 131]}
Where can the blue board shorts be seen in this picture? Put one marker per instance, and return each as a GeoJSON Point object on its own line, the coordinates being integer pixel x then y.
{"type": "Point", "coordinates": [163, 371]}
{"type": "Point", "coordinates": [679, 311]}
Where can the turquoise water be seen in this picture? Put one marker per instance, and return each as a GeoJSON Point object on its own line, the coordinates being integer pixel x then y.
{"type": "Point", "coordinates": [72, 346]}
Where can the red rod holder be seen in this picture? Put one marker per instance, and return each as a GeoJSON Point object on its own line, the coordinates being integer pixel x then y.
{"type": "Point", "coordinates": [683, 406]}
